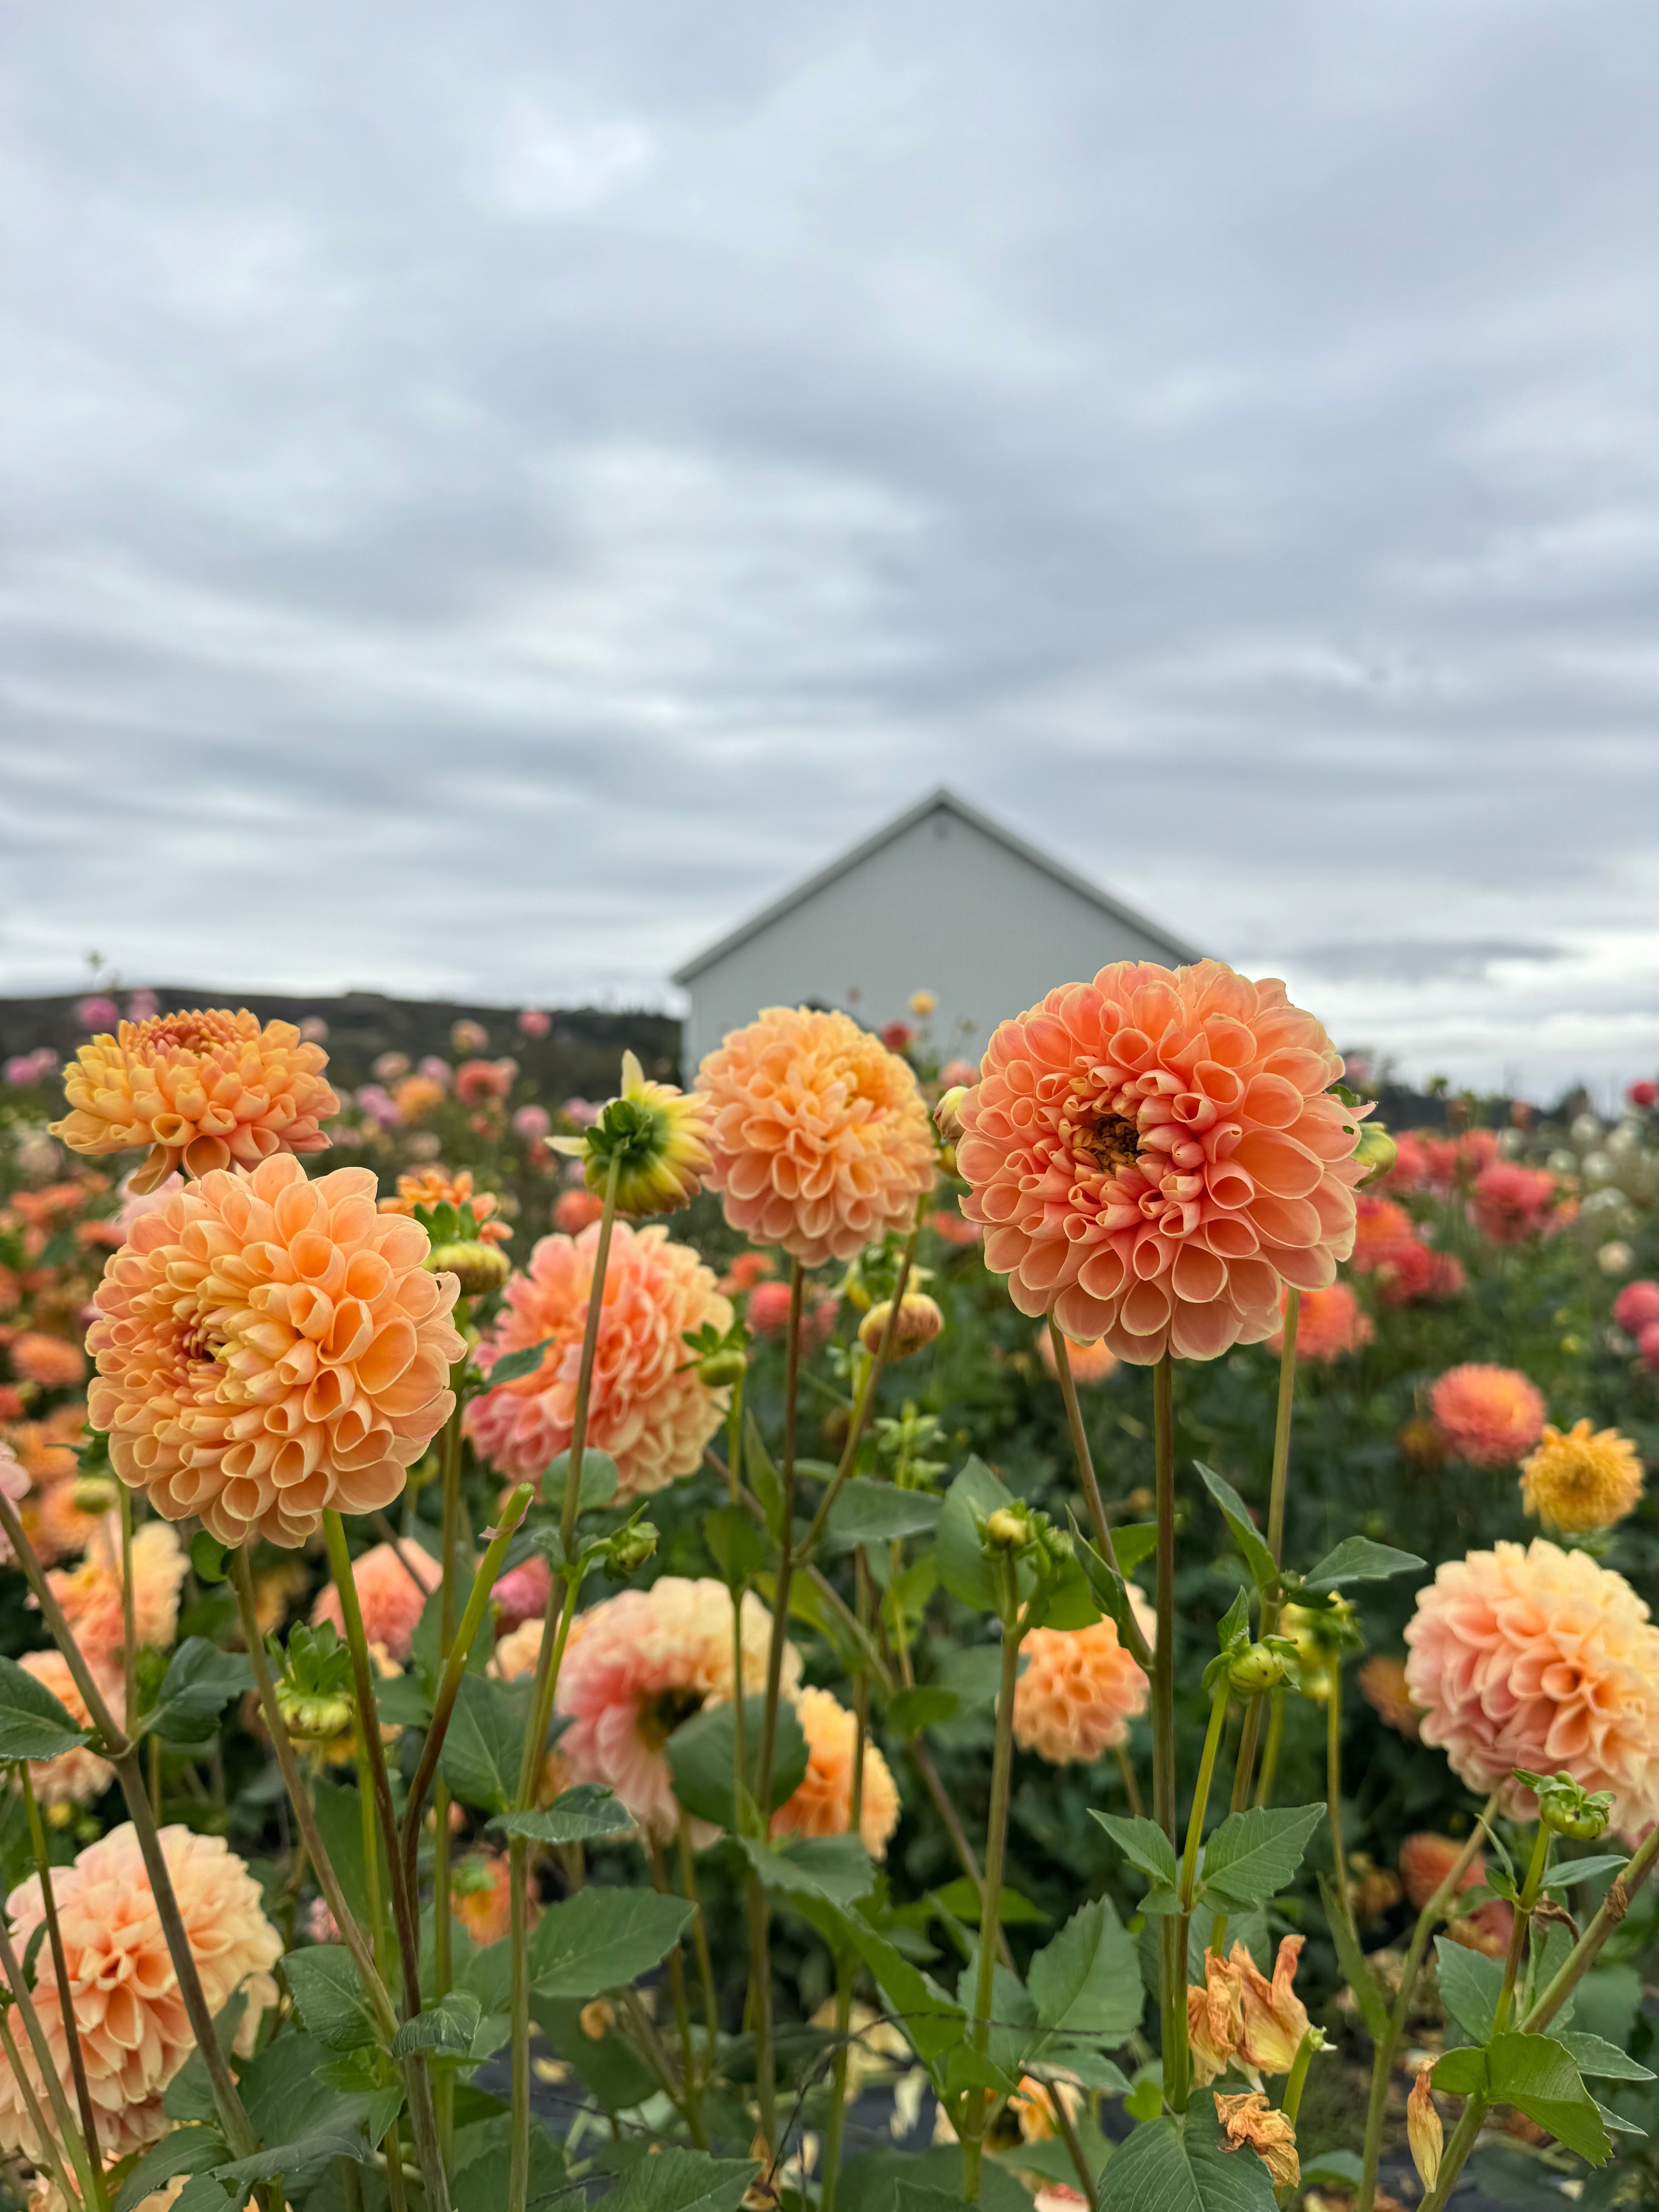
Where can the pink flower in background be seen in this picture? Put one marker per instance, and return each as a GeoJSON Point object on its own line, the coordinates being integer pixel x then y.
{"type": "Point", "coordinates": [767, 1314]}
{"type": "Point", "coordinates": [576, 1210]}
{"type": "Point", "coordinates": [469, 1038]}
{"type": "Point", "coordinates": [135, 1205]}
{"type": "Point", "coordinates": [90, 1594]}
{"type": "Point", "coordinates": [533, 1022]}
{"type": "Point", "coordinates": [951, 1229]}
{"type": "Point", "coordinates": [313, 1030]}
{"type": "Point", "coordinates": [479, 1080]}
{"type": "Point", "coordinates": [436, 1071]}
{"type": "Point", "coordinates": [393, 1584]}
{"type": "Point", "coordinates": [956, 1071]}
{"type": "Point", "coordinates": [1415, 1270]}
{"type": "Point", "coordinates": [1648, 1344]}
{"type": "Point", "coordinates": [1451, 1160]}
{"type": "Point", "coordinates": [521, 1593]}
{"type": "Point", "coordinates": [1331, 1322]}
{"type": "Point", "coordinates": [390, 1067]}
{"type": "Point", "coordinates": [97, 1013]}
{"type": "Point", "coordinates": [1643, 1094]}
{"type": "Point", "coordinates": [583, 1113]}
{"type": "Point", "coordinates": [1509, 1203]}
{"type": "Point", "coordinates": [142, 1006]}
{"type": "Point", "coordinates": [1410, 1170]}
{"type": "Point", "coordinates": [531, 1123]}
{"type": "Point", "coordinates": [1637, 1306]}
{"type": "Point", "coordinates": [1488, 1416]}
{"type": "Point", "coordinates": [378, 1105]}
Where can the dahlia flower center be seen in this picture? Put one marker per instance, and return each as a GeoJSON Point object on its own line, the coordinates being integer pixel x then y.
{"type": "Point", "coordinates": [1105, 1138]}
{"type": "Point", "coordinates": [662, 1713]}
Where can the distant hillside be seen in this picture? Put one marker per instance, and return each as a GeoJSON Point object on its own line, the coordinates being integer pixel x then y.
{"type": "Point", "coordinates": [578, 1058]}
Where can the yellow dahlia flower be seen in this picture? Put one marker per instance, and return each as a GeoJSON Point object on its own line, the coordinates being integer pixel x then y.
{"type": "Point", "coordinates": [661, 1135]}
{"type": "Point", "coordinates": [1578, 1482]}
{"type": "Point", "coordinates": [202, 1090]}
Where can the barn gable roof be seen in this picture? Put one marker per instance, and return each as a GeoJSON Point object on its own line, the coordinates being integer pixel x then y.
{"type": "Point", "coordinates": [942, 801]}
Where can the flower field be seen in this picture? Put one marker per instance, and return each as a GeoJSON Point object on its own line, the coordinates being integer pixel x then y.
{"type": "Point", "coordinates": [865, 1634]}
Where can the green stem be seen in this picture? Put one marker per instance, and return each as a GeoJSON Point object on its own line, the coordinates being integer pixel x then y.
{"type": "Point", "coordinates": [129, 1607]}
{"type": "Point", "coordinates": [65, 1994]}
{"type": "Point", "coordinates": [442, 1944]}
{"type": "Point", "coordinates": [1245, 1765]}
{"type": "Point", "coordinates": [786, 1542]}
{"type": "Point", "coordinates": [835, 2126]}
{"type": "Point", "coordinates": [374, 1901]}
{"type": "Point", "coordinates": [49, 2157]}
{"type": "Point", "coordinates": [1264, 1788]}
{"type": "Point", "coordinates": [682, 2009]}
{"type": "Point", "coordinates": [1536, 1870]}
{"type": "Point", "coordinates": [1333, 1779]}
{"type": "Point", "coordinates": [864, 1405]}
{"type": "Point", "coordinates": [83, 2156]}
{"type": "Point", "coordinates": [1201, 1793]}
{"type": "Point", "coordinates": [1459, 2144]}
{"type": "Point", "coordinates": [1290, 2103]}
{"type": "Point", "coordinates": [1139, 1649]}
{"type": "Point", "coordinates": [978, 2113]}
{"type": "Point", "coordinates": [1172, 1962]}
{"type": "Point", "coordinates": [711, 2005]}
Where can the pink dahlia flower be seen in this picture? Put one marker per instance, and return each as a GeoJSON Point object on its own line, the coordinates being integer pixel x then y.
{"type": "Point", "coordinates": [646, 1660]}
{"type": "Point", "coordinates": [521, 1593]}
{"type": "Point", "coordinates": [1331, 1322]}
{"type": "Point", "coordinates": [394, 1582]}
{"type": "Point", "coordinates": [1488, 1416]}
{"type": "Point", "coordinates": [133, 2031]}
{"type": "Point", "coordinates": [1381, 1230]}
{"type": "Point", "coordinates": [648, 1409]}
{"type": "Point", "coordinates": [1509, 1203]}
{"type": "Point", "coordinates": [1415, 1270]}
{"type": "Point", "coordinates": [1529, 1656]}
{"type": "Point", "coordinates": [1153, 1155]}
{"type": "Point", "coordinates": [1452, 1160]}
{"type": "Point", "coordinates": [1637, 1306]}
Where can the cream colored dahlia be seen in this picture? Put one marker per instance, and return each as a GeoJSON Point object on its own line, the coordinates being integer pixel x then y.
{"type": "Point", "coordinates": [1531, 1656]}
{"type": "Point", "coordinates": [393, 1584]}
{"type": "Point", "coordinates": [649, 1409]}
{"type": "Point", "coordinates": [133, 2031]}
{"type": "Point", "coordinates": [1155, 1154]}
{"type": "Point", "coordinates": [822, 1803]}
{"type": "Point", "coordinates": [267, 1347]}
{"type": "Point", "coordinates": [1578, 1481]}
{"type": "Point", "coordinates": [821, 1141]}
{"type": "Point", "coordinates": [1080, 1689]}
{"type": "Point", "coordinates": [77, 1776]}
{"type": "Point", "coordinates": [90, 1594]}
{"type": "Point", "coordinates": [202, 1090]}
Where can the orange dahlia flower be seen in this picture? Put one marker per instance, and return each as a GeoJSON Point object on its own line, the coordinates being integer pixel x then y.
{"type": "Point", "coordinates": [1088, 1362]}
{"type": "Point", "coordinates": [821, 1137]}
{"type": "Point", "coordinates": [394, 1582]}
{"type": "Point", "coordinates": [51, 1362]}
{"type": "Point", "coordinates": [1331, 1322]}
{"type": "Point", "coordinates": [133, 2031]}
{"type": "Point", "coordinates": [77, 1776]}
{"type": "Point", "coordinates": [267, 1347]}
{"type": "Point", "coordinates": [202, 1090]}
{"type": "Point", "coordinates": [822, 1805]}
{"type": "Point", "coordinates": [1382, 1682]}
{"type": "Point", "coordinates": [1425, 1860]}
{"type": "Point", "coordinates": [1154, 1154]}
{"type": "Point", "coordinates": [1487, 1415]}
{"type": "Point", "coordinates": [1415, 1270]}
{"type": "Point", "coordinates": [90, 1595]}
{"type": "Point", "coordinates": [1380, 1228]}
{"type": "Point", "coordinates": [1080, 1689]}
{"type": "Point", "coordinates": [437, 1187]}
{"type": "Point", "coordinates": [1528, 1655]}
{"type": "Point", "coordinates": [1578, 1482]}
{"type": "Point", "coordinates": [649, 1408]}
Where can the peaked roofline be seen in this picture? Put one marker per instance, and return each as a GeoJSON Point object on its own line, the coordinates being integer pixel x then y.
{"type": "Point", "coordinates": [941, 800]}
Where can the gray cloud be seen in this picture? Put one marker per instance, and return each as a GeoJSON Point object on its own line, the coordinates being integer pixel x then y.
{"type": "Point", "coordinates": [491, 496]}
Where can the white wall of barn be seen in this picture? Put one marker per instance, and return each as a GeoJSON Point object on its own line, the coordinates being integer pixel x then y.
{"type": "Point", "coordinates": [943, 908]}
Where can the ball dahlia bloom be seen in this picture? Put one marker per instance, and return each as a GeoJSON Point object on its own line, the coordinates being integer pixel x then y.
{"type": "Point", "coordinates": [648, 1408]}
{"type": "Point", "coordinates": [267, 1347]}
{"type": "Point", "coordinates": [1489, 1416]}
{"type": "Point", "coordinates": [1528, 1655]}
{"type": "Point", "coordinates": [90, 1594]}
{"type": "Point", "coordinates": [394, 1582]}
{"type": "Point", "coordinates": [576, 1210]}
{"type": "Point", "coordinates": [1509, 1203]}
{"type": "Point", "coordinates": [821, 1137]}
{"type": "Point", "coordinates": [646, 1660]}
{"type": "Point", "coordinates": [51, 1362]}
{"type": "Point", "coordinates": [1088, 1362]}
{"type": "Point", "coordinates": [821, 1804]}
{"type": "Point", "coordinates": [1331, 1322]}
{"type": "Point", "coordinates": [1155, 1154]}
{"type": "Point", "coordinates": [437, 1187]}
{"type": "Point", "coordinates": [1415, 1270]}
{"type": "Point", "coordinates": [1382, 1682]}
{"type": "Point", "coordinates": [1080, 1689]}
{"type": "Point", "coordinates": [133, 2031]}
{"type": "Point", "coordinates": [77, 1776]}
{"type": "Point", "coordinates": [1579, 1481]}
{"type": "Point", "coordinates": [1380, 1228]}
{"type": "Point", "coordinates": [202, 1090]}
{"type": "Point", "coordinates": [1637, 1306]}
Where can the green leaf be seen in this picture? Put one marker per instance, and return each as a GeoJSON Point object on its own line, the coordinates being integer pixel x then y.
{"type": "Point", "coordinates": [339, 1816]}
{"type": "Point", "coordinates": [1356, 1559]}
{"type": "Point", "coordinates": [446, 2030]}
{"type": "Point", "coordinates": [199, 1683]}
{"type": "Point", "coordinates": [1602, 2061]}
{"type": "Point", "coordinates": [513, 1366]}
{"type": "Point", "coordinates": [584, 1815]}
{"type": "Point", "coordinates": [933, 2022]}
{"type": "Point", "coordinates": [201, 2193]}
{"type": "Point", "coordinates": [680, 2180]}
{"type": "Point", "coordinates": [1356, 1968]}
{"type": "Point", "coordinates": [598, 1484]}
{"type": "Point", "coordinates": [972, 1674]}
{"type": "Point", "coordinates": [481, 2184]}
{"type": "Point", "coordinates": [1253, 1855]}
{"type": "Point", "coordinates": [481, 1752]}
{"type": "Point", "coordinates": [1535, 2075]}
{"type": "Point", "coordinates": [1341, 2169]}
{"type": "Point", "coordinates": [402, 1700]}
{"type": "Point", "coordinates": [763, 1478]}
{"type": "Point", "coordinates": [702, 1757]}
{"type": "Point", "coordinates": [1065, 1601]}
{"type": "Point", "coordinates": [1144, 1844]}
{"type": "Point", "coordinates": [1573, 1871]}
{"type": "Point", "coordinates": [1469, 1986]}
{"type": "Point", "coordinates": [189, 2095]}
{"type": "Point", "coordinates": [1110, 1590]}
{"type": "Point", "coordinates": [608, 2067]}
{"type": "Point", "coordinates": [910, 1712]}
{"type": "Point", "coordinates": [738, 1548]}
{"type": "Point", "coordinates": [1257, 1558]}
{"type": "Point", "coordinates": [330, 1997]}
{"type": "Point", "coordinates": [1134, 1541]}
{"type": "Point", "coordinates": [836, 1868]}
{"type": "Point", "coordinates": [603, 1939]}
{"type": "Point", "coordinates": [32, 1723]}
{"type": "Point", "coordinates": [867, 1512]}
{"type": "Point", "coordinates": [1168, 2167]}
{"type": "Point", "coordinates": [185, 2151]}
{"type": "Point", "coordinates": [332, 2139]}
{"type": "Point", "coordinates": [961, 1899]}
{"type": "Point", "coordinates": [1086, 1983]}
{"type": "Point", "coordinates": [963, 1566]}
{"type": "Point", "coordinates": [1462, 2071]}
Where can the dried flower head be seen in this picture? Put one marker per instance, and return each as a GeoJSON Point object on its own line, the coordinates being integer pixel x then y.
{"type": "Point", "coordinates": [1080, 1689]}
{"type": "Point", "coordinates": [821, 1137]}
{"type": "Point", "coordinates": [822, 1803]}
{"type": "Point", "coordinates": [394, 1582]}
{"type": "Point", "coordinates": [1487, 1415]}
{"type": "Point", "coordinates": [1423, 2132]}
{"type": "Point", "coordinates": [267, 1347]}
{"type": "Point", "coordinates": [1215, 2019]}
{"type": "Point", "coordinates": [435, 1185]}
{"type": "Point", "coordinates": [1578, 1482]}
{"type": "Point", "coordinates": [1275, 2018]}
{"type": "Point", "coordinates": [202, 1090]}
{"type": "Point", "coordinates": [1249, 2119]}
{"type": "Point", "coordinates": [1156, 1153]}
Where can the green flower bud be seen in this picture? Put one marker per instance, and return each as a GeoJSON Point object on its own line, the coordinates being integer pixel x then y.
{"type": "Point", "coordinates": [630, 1547]}
{"type": "Point", "coordinates": [1006, 1530]}
{"type": "Point", "coordinates": [1256, 1668]}
{"type": "Point", "coordinates": [721, 1368]}
{"type": "Point", "coordinates": [1375, 1151]}
{"type": "Point", "coordinates": [480, 1268]}
{"type": "Point", "coordinates": [1566, 1807]}
{"type": "Point", "coordinates": [919, 1322]}
{"type": "Point", "coordinates": [311, 1717]}
{"type": "Point", "coordinates": [95, 1493]}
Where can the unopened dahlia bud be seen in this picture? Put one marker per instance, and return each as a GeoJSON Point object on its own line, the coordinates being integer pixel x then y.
{"type": "Point", "coordinates": [919, 1322]}
{"type": "Point", "coordinates": [630, 1547]}
{"type": "Point", "coordinates": [1566, 1807]}
{"type": "Point", "coordinates": [947, 1115]}
{"type": "Point", "coordinates": [722, 1367]}
{"type": "Point", "coordinates": [1257, 1668]}
{"type": "Point", "coordinates": [1423, 2132]}
{"type": "Point", "coordinates": [1006, 1529]}
{"type": "Point", "coordinates": [313, 1717]}
{"type": "Point", "coordinates": [95, 1493]}
{"type": "Point", "coordinates": [481, 1268]}
{"type": "Point", "coordinates": [1375, 1151]}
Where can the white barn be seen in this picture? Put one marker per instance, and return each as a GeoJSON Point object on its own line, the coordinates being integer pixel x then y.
{"type": "Point", "coordinates": [942, 900]}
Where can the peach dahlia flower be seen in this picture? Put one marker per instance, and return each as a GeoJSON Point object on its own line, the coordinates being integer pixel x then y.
{"type": "Point", "coordinates": [1154, 1154]}
{"type": "Point", "coordinates": [1088, 1362]}
{"type": "Point", "coordinates": [437, 1187]}
{"type": "Point", "coordinates": [821, 1137]}
{"type": "Point", "coordinates": [51, 1362]}
{"type": "Point", "coordinates": [90, 1594]}
{"type": "Point", "coordinates": [77, 1776]}
{"type": "Point", "coordinates": [267, 1347]}
{"type": "Point", "coordinates": [1080, 1689]}
{"type": "Point", "coordinates": [134, 2033]}
{"type": "Point", "coordinates": [822, 1805]}
{"type": "Point", "coordinates": [649, 1408]}
{"type": "Point", "coordinates": [1329, 1323]}
{"type": "Point", "coordinates": [1529, 1656]}
{"type": "Point", "coordinates": [1488, 1416]}
{"type": "Point", "coordinates": [393, 1584]}
{"type": "Point", "coordinates": [202, 1090]}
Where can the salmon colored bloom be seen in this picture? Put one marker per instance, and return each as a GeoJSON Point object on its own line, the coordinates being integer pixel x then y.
{"type": "Point", "coordinates": [575, 1210]}
{"type": "Point", "coordinates": [646, 1660]}
{"type": "Point", "coordinates": [1509, 1203]}
{"type": "Point", "coordinates": [950, 1227]}
{"type": "Point", "coordinates": [48, 1362]}
{"type": "Point", "coordinates": [480, 1897]}
{"type": "Point", "coordinates": [1425, 1862]}
{"type": "Point", "coordinates": [267, 1347]}
{"type": "Point", "coordinates": [1275, 2018]}
{"type": "Point", "coordinates": [133, 2031]}
{"type": "Point", "coordinates": [747, 1269]}
{"type": "Point", "coordinates": [649, 1408]}
{"type": "Point", "coordinates": [1080, 1689]}
{"type": "Point", "coordinates": [1637, 1306]}
{"type": "Point", "coordinates": [393, 1584]}
{"type": "Point", "coordinates": [1215, 2019]}
{"type": "Point", "coordinates": [821, 1137]}
{"type": "Point", "coordinates": [1249, 2119]}
{"type": "Point", "coordinates": [1530, 1656]}
{"type": "Point", "coordinates": [435, 1185]}
{"type": "Point", "coordinates": [822, 1803]}
{"type": "Point", "coordinates": [1487, 1415]}
{"type": "Point", "coordinates": [1154, 1154]}
{"type": "Point", "coordinates": [1380, 1228]}
{"type": "Point", "coordinates": [91, 1595]}
{"type": "Point", "coordinates": [1578, 1482]}
{"type": "Point", "coordinates": [1451, 1160]}
{"type": "Point", "coordinates": [1088, 1362]}
{"type": "Point", "coordinates": [481, 1082]}
{"type": "Point", "coordinates": [77, 1776]}
{"type": "Point", "coordinates": [1382, 1682]}
{"type": "Point", "coordinates": [1330, 1323]}
{"type": "Point", "coordinates": [202, 1090]}
{"type": "Point", "coordinates": [1416, 1270]}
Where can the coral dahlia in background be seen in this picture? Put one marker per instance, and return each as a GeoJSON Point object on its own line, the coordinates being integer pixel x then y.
{"type": "Point", "coordinates": [51, 1362]}
{"type": "Point", "coordinates": [202, 1090]}
{"type": "Point", "coordinates": [1579, 1482]}
{"type": "Point", "coordinates": [1509, 1203]}
{"type": "Point", "coordinates": [1330, 1322]}
{"type": "Point", "coordinates": [267, 1347]}
{"type": "Point", "coordinates": [1080, 1689]}
{"type": "Point", "coordinates": [1155, 1154]}
{"type": "Point", "coordinates": [1531, 1656]}
{"type": "Point", "coordinates": [649, 1409]}
{"type": "Point", "coordinates": [393, 1582]}
{"type": "Point", "coordinates": [822, 1805]}
{"type": "Point", "coordinates": [1380, 1228]}
{"type": "Point", "coordinates": [1488, 1416]}
{"type": "Point", "coordinates": [1426, 1861]}
{"type": "Point", "coordinates": [133, 2031]}
{"type": "Point", "coordinates": [1415, 1270]}
{"type": "Point", "coordinates": [437, 1187]}
{"type": "Point", "coordinates": [90, 1594]}
{"type": "Point", "coordinates": [1637, 1306]}
{"type": "Point", "coordinates": [821, 1137]}
{"type": "Point", "coordinates": [1088, 1362]}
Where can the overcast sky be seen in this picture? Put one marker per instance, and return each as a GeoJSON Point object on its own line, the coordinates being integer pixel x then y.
{"type": "Point", "coordinates": [491, 494]}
